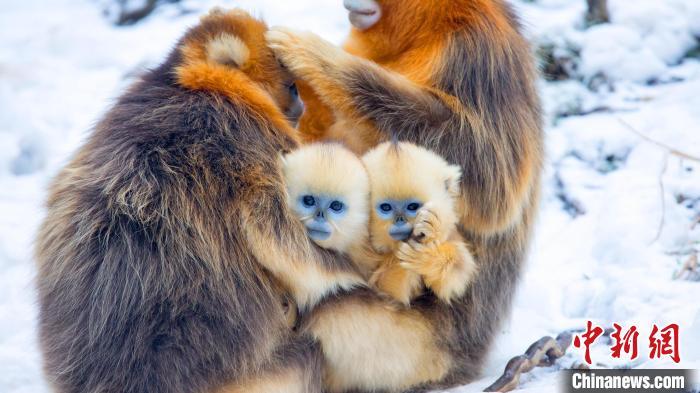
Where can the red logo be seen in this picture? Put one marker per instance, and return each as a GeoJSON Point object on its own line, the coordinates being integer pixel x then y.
{"type": "Point", "coordinates": [589, 337]}
{"type": "Point", "coordinates": [662, 342]}
{"type": "Point", "coordinates": [666, 345]}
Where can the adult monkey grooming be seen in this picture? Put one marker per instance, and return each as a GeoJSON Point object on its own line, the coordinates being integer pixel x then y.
{"type": "Point", "coordinates": [457, 77]}
{"type": "Point", "coordinates": [169, 231]}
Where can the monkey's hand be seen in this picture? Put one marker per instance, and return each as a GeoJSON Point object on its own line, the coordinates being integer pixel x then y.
{"type": "Point", "coordinates": [305, 54]}
{"type": "Point", "coordinates": [446, 268]}
{"type": "Point", "coordinates": [398, 283]}
{"type": "Point", "coordinates": [432, 225]}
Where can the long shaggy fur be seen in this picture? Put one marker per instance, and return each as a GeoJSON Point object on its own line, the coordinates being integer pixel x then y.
{"type": "Point", "coordinates": [151, 276]}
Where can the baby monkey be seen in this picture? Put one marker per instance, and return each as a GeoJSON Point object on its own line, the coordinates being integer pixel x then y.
{"type": "Point", "coordinates": [413, 223]}
{"type": "Point", "coordinates": [328, 189]}
{"type": "Point", "coordinates": [404, 194]}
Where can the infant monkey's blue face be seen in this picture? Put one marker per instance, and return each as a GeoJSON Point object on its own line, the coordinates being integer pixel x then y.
{"type": "Point", "coordinates": [401, 213]}
{"type": "Point", "coordinates": [325, 210]}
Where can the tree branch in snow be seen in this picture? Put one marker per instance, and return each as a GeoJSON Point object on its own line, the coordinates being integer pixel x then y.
{"type": "Point", "coordinates": [544, 352]}
{"type": "Point", "coordinates": [690, 271]}
{"type": "Point", "coordinates": [662, 222]}
{"type": "Point", "coordinates": [663, 146]}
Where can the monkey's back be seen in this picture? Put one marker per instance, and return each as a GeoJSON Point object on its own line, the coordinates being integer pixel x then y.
{"type": "Point", "coordinates": [145, 281]}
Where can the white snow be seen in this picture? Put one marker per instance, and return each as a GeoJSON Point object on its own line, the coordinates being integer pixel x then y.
{"type": "Point", "coordinates": [617, 211]}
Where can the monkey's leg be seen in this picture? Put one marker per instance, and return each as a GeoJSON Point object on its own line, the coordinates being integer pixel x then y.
{"type": "Point", "coordinates": [372, 344]}
{"type": "Point", "coordinates": [295, 368]}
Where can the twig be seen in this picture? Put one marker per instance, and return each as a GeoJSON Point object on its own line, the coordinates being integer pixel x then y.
{"type": "Point", "coordinates": [689, 270]}
{"type": "Point", "coordinates": [542, 353]}
{"type": "Point", "coordinates": [663, 199]}
{"type": "Point", "coordinates": [669, 149]}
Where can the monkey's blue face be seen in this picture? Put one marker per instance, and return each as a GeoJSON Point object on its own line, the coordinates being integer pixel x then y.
{"type": "Point", "coordinates": [325, 210]}
{"type": "Point", "coordinates": [401, 214]}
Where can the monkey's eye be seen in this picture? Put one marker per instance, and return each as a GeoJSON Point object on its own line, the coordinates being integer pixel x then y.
{"type": "Point", "coordinates": [413, 206]}
{"type": "Point", "coordinates": [308, 200]}
{"type": "Point", "coordinates": [385, 207]}
{"type": "Point", "coordinates": [293, 91]}
{"type": "Point", "coordinates": [337, 206]}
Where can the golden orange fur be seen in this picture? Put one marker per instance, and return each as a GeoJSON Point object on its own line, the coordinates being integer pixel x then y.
{"type": "Point", "coordinates": [230, 57]}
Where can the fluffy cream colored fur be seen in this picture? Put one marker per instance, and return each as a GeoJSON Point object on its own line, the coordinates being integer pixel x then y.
{"type": "Point", "coordinates": [436, 255]}
{"type": "Point", "coordinates": [331, 169]}
{"type": "Point", "coordinates": [404, 170]}
{"type": "Point", "coordinates": [228, 49]}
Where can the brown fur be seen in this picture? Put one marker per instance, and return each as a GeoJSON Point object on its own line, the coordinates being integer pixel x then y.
{"type": "Point", "coordinates": [457, 77]}
{"type": "Point", "coordinates": [168, 231]}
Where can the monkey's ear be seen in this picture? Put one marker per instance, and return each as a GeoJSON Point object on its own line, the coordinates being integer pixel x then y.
{"type": "Point", "coordinates": [453, 180]}
{"type": "Point", "coordinates": [228, 49]}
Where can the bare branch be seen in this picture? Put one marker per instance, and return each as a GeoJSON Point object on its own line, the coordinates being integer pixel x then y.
{"type": "Point", "coordinates": [669, 149]}
{"type": "Point", "coordinates": [663, 199]}
{"type": "Point", "coordinates": [690, 270]}
{"type": "Point", "coordinates": [542, 353]}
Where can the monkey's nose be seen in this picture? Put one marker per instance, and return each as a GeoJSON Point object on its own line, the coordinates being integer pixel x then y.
{"type": "Point", "coordinates": [400, 220]}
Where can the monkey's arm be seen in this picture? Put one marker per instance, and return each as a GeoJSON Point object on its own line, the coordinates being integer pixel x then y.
{"type": "Point", "coordinates": [447, 268]}
{"type": "Point", "coordinates": [438, 253]}
{"type": "Point", "coordinates": [280, 243]}
{"type": "Point", "coordinates": [497, 144]}
{"type": "Point", "coordinates": [358, 88]}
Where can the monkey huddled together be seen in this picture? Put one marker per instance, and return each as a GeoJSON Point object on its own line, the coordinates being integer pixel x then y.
{"type": "Point", "coordinates": [196, 223]}
{"type": "Point", "coordinates": [412, 194]}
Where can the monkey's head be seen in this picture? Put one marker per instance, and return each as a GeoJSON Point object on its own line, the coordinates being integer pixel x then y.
{"type": "Point", "coordinates": [328, 189]}
{"type": "Point", "coordinates": [226, 51]}
{"type": "Point", "coordinates": [403, 178]}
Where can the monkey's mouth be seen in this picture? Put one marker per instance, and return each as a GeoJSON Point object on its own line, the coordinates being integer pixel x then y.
{"type": "Point", "coordinates": [318, 235]}
{"type": "Point", "coordinates": [401, 234]}
{"type": "Point", "coordinates": [363, 13]}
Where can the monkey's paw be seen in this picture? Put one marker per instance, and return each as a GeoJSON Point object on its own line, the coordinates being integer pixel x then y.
{"type": "Point", "coordinates": [418, 257]}
{"type": "Point", "coordinates": [305, 54]}
{"type": "Point", "coordinates": [428, 225]}
{"type": "Point", "coordinates": [446, 268]}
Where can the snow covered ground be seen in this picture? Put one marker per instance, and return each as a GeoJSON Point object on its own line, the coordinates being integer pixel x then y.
{"type": "Point", "coordinates": [619, 205]}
